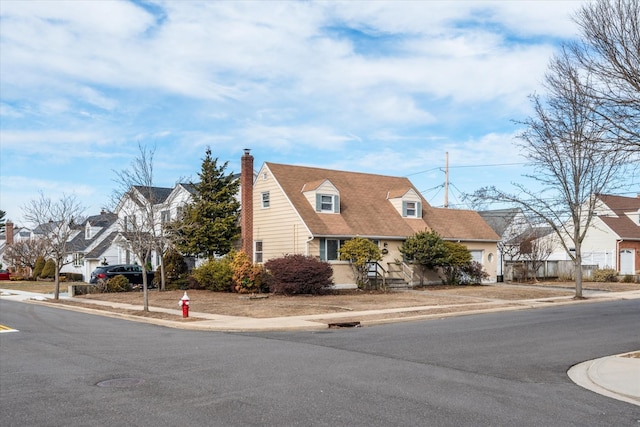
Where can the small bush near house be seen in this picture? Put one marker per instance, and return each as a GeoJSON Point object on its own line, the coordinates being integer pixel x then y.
{"type": "Point", "coordinates": [248, 278]}
{"type": "Point", "coordinates": [214, 275]}
{"type": "Point", "coordinates": [37, 268]}
{"type": "Point", "coordinates": [605, 275]}
{"type": "Point", "coordinates": [473, 274]}
{"type": "Point", "coordinates": [118, 283]}
{"type": "Point", "coordinates": [299, 274]}
{"type": "Point", "coordinates": [628, 278]}
{"type": "Point", "coordinates": [49, 270]}
{"type": "Point", "coordinates": [175, 269]}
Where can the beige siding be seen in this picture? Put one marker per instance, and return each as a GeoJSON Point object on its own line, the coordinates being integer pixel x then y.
{"type": "Point", "coordinates": [278, 227]}
{"type": "Point", "coordinates": [489, 256]}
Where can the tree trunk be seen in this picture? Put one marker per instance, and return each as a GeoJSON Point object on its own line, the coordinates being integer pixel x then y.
{"type": "Point", "coordinates": [56, 293]}
{"type": "Point", "coordinates": [578, 271]}
{"type": "Point", "coordinates": [145, 290]}
{"type": "Point", "coordinates": [163, 277]}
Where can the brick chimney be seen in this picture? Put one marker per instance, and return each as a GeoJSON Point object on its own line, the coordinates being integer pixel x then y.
{"type": "Point", "coordinates": [246, 182]}
{"type": "Point", "coordinates": [8, 232]}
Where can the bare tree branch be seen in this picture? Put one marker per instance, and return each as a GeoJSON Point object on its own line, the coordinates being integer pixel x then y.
{"type": "Point", "coordinates": [54, 221]}
{"type": "Point", "coordinates": [567, 145]}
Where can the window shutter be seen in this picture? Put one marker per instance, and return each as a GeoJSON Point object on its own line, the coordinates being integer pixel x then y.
{"type": "Point", "coordinates": [336, 204]}
{"type": "Point", "coordinates": [404, 208]}
{"type": "Point", "coordinates": [318, 202]}
{"type": "Point", "coordinates": [418, 209]}
{"type": "Point", "coordinates": [323, 249]}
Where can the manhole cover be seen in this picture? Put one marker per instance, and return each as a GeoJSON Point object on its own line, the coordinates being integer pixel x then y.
{"type": "Point", "coordinates": [121, 382]}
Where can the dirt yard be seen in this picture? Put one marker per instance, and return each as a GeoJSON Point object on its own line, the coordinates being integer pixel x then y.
{"type": "Point", "coordinates": [439, 299]}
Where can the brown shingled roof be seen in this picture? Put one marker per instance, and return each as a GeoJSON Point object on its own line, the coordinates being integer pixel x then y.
{"type": "Point", "coordinates": [366, 211]}
{"type": "Point", "coordinates": [623, 226]}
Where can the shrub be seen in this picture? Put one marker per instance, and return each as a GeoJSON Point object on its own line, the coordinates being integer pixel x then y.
{"type": "Point", "coordinates": [605, 275]}
{"type": "Point", "coordinates": [37, 268]}
{"type": "Point", "coordinates": [360, 252]}
{"type": "Point", "coordinates": [72, 277]}
{"type": "Point", "coordinates": [247, 276]}
{"type": "Point", "coordinates": [49, 270]}
{"type": "Point", "coordinates": [299, 274]}
{"type": "Point", "coordinates": [473, 274]}
{"type": "Point", "coordinates": [175, 270]}
{"type": "Point", "coordinates": [118, 283]}
{"type": "Point", "coordinates": [628, 278]}
{"type": "Point", "coordinates": [214, 275]}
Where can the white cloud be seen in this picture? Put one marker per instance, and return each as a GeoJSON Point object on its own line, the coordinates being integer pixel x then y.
{"type": "Point", "coordinates": [384, 86]}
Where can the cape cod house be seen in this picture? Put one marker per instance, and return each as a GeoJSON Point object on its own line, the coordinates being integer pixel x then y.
{"type": "Point", "coordinates": [313, 211]}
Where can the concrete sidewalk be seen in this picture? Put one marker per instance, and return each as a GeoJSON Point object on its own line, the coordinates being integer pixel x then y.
{"type": "Point", "coordinates": [616, 376]}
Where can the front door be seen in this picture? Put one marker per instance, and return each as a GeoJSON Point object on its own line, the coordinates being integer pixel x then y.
{"type": "Point", "coordinates": [626, 261]}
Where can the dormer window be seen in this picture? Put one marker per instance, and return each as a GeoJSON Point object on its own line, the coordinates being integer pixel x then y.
{"type": "Point", "coordinates": [411, 209]}
{"type": "Point", "coordinates": [323, 196]}
{"type": "Point", "coordinates": [87, 231]}
{"type": "Point", "coordinates": [327, 203]}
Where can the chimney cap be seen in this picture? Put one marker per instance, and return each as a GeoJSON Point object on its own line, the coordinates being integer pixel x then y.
{"type": "Point", "coordinates": [246, 151]}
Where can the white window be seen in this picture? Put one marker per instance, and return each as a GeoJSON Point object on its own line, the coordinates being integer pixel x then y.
{"type": "Point", "coordinates": [257, 252]}
{"type": "Point", "coordinates": [327, 203]}
{"type": "Point", "coordinates": [265, 197]}
{"type": "Point", "coordinates": [165, 217]}
{"type": "Point", "coordinates": [477, 255]}
{"type": "Point", "coordinates": [411, 209]}
{"type": "Point", "coordinates": [78, 259]}
{"type": "Point", "coordinates": [87, 232]}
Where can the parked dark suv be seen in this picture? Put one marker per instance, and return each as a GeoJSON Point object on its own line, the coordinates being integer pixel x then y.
{"type": "Point", "coordinates": [133, 272]}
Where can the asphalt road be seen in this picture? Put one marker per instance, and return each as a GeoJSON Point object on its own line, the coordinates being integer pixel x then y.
{"type": "Point", "coordinates": [71, 369]}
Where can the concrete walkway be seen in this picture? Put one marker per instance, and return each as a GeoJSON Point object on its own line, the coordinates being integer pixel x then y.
{"type": "Point", "coordinates": [616, 376]}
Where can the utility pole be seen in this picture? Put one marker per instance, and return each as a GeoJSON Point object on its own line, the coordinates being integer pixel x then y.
{"type": "Point", "coordinates": [446, 180]}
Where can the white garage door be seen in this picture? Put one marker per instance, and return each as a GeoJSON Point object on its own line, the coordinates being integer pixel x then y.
{"type": "Point", "coordinates": [626, 261]}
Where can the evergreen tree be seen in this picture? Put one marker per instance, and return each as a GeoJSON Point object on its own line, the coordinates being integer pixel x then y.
{"type": "Point", "coordinates": [209, 223]}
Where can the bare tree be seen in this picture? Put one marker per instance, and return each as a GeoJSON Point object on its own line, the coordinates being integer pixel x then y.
{"type": "Point", "coordinates": [610, 51]}
{"type": "Point", "coordinates": [136, 201]}
{"type": "Point", "coordinates": [534, 250]}
{"type": "Point", "coordinates": [53, 221]}
{"type": "Point", "coordinates": [24, 253]}
{"type": "Point", "coordinates": [565, 143]}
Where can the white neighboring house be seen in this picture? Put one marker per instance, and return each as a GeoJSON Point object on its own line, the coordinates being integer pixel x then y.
{"type": "Point", "coordinates": [133, 218]}
{"type": "Point", "coordinates": [613, 240]}
{"type": "Point", "coordinates": [91, 245]}
{"type": "Point", "coordinates": [509, 224]}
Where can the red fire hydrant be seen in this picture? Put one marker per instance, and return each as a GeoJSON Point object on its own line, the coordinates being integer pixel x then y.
{"type": "Point", "coordinates": [184, 303]}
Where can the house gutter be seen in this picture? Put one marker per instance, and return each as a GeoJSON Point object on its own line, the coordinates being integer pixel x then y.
{"type": "Point", "coordinates": [306, 245]}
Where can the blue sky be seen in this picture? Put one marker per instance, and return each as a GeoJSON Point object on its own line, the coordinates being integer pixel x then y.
{"type": "Point", "coordinates": [379, 87]}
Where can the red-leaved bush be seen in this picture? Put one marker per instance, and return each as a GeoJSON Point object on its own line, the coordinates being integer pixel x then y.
{"type": "Point", "coordinates": [299, 274]}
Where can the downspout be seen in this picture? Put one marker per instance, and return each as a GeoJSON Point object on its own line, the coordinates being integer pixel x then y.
{"type": "Point", "coordinates": [306, 245]}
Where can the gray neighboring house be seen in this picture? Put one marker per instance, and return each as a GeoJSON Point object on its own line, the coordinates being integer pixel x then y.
{"type": "Point", "coordinates": [91, 244]}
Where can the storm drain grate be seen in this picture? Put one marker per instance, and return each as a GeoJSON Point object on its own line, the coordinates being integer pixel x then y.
{"type": "Point", "coordinates": [121, 382]}
{"type": "Point", "coordinates": [344, 325]}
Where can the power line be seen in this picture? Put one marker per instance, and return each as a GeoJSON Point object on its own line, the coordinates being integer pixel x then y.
{"type": "Point", "coordinates": [467, 166]}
